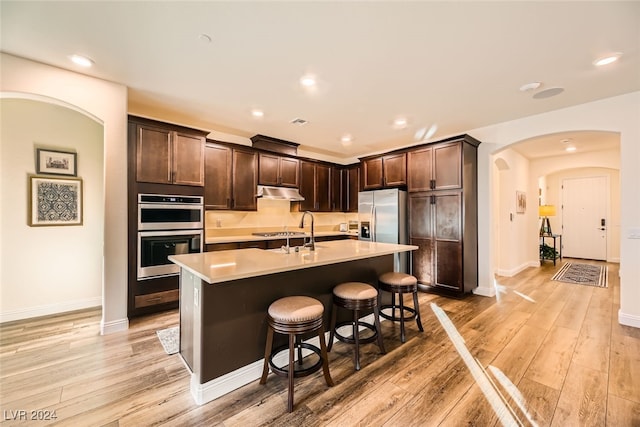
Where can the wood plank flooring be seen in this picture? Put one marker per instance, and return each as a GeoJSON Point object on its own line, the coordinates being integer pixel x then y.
{"type": "Point", "coordinates": [553, 350]}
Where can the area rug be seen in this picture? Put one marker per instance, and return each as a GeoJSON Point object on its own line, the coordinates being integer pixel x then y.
{"type": "Point", "coordinates": [583, 274]}
{"type": "Point", "coordinates": [170, 339]}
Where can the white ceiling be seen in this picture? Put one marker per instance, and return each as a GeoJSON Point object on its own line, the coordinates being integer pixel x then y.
{"type": "Point", "coordinates": [456, 64]}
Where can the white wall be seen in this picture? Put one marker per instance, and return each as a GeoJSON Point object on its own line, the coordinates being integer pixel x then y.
{"type": "Point", "coordinates": [106, 103]}
{"type": "Point", "coordinates": [617, 114]}
{"type": "Point", "coordinates": [62, 265]}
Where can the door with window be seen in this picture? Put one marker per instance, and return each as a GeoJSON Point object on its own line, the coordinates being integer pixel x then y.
{"type": "Point", "coordinates": [584, 217]}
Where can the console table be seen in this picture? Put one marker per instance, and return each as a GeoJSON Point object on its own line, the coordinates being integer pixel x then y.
{"type": "Point", "coordinates": [555, 237]}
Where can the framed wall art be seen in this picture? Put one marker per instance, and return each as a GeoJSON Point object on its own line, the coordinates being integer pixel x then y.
{"type": "Point", "coordinates": [521, 202]}
{"type": "Point", "coordinates": [53, 162]}
{"type": "Point", "coordinates": [55, 201]}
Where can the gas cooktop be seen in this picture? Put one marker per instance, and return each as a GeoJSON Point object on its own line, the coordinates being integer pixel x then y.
{"type": "Point", "coordinates": [279, 233]}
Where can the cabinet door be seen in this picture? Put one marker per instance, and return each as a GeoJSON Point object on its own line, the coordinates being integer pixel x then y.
{"type": "Point", "coordinates": [337, 189]}
{"type": "Point", "coordinates": [372, 171]}
{"type": "Point", "coordinates": [395, 170]}
{"type": "Point", "coordinates": [419, 169]}
{"type": "Point", "coordinates": [289, 172]}
{"type": "Point", "coordinates": [447, 161]}
{"type": "Point", "coordinates": [307, 186]}
{"type": "Point", "coordinates": [153, 155]}
{"type": "Point", "coordinates": [188, 159]}
{"type": "Point", "coordinates": [269, 173]}
{"type": "Point", "coordinates": [323, 188]}
{"type": "Point", "coordinates": [420, 216]}
{"type": "Point", "coordinates": [217, 177]}
{"type": "Point", "coordinates": [245, 180]}
{"type": "Point", "coordinates": [422, 260]}
{"type": "Point", "coordinates": [353, 187]}
{"type": "Point", "coordinates": [447, 223]}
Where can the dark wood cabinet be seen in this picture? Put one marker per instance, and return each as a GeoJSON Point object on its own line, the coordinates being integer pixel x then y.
{"type": "Point", "coordinates": [166, 156]}
{"type": "Point", "coordinates": [385, 171]}
{"type": "Point", "coordinates": [230, 178]}
{"type": "Point", "coordinates": [315, 186]}
{"type": "Point", "coordinates": [443, 216]}
{"type": "Point", "coordinates": [278, 170]}
{"type": "Point", "coordinates": [436, 167]}
{"type": "Point", "coordinates": [351, 187]}
{"type": "Point", "coordinates": [337, 189]}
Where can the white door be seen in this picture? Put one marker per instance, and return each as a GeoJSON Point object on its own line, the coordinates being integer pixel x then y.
{"type": "Point", "coordinates": [584, 217]}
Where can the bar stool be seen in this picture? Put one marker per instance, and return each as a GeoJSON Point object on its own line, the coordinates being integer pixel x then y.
{"type": "Point", "coordinates": [356, 296]}
{"type": "Point", "coordinates": [294, 316]}
{"type": "Point", "coordinates": [400, 283]}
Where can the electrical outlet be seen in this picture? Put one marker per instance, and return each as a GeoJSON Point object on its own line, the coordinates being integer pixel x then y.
{"type": "Point", "coordinates": [634, 233]}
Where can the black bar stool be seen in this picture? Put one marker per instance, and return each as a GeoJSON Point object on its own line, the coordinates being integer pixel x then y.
{"type": "Point", "coordinates": [400, 283]}
{"type": "Point", "coordinates": [294, 316]}
{"type": "Point", "coordinates": [356, 296]}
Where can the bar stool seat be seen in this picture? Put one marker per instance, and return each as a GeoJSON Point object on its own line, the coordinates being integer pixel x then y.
{"type": "Point", "coordinates": [294, 316]}
{"type": "Point", "coordinates": [356, 296]}
{"type": "Point", "coordinates": [400, 283]}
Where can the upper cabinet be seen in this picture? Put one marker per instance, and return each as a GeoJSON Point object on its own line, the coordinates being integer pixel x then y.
{"type": "Point", "coordinates": [315, 187]}
{"type": "Point", "coordinates": [337, 189]}
{"type": "Point", "coordinates": [169, 155]}
{"type": "Point", "coordinates": [278, 170]}
{"type": "Point", "coordinates": [435, 167]}
{"type": "Point", "coordinates": [385, 171]}
{"type": "Point", "coordinates": [351, 186]}
{"type": "Point", "coordinates": [231, 178]}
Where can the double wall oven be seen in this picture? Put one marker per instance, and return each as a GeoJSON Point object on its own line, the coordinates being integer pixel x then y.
{"type": "Point", "coordinates": [167, 225]}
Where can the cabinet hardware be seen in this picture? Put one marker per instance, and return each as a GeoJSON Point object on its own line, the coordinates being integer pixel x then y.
{"type": "Point", "coordinates": [432, 184]}
{"type": "Point", "coordinates": [154, 299]}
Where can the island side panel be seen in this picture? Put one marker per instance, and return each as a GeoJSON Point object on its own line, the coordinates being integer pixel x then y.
{"type": "Point", "coordinates": [233, 324]}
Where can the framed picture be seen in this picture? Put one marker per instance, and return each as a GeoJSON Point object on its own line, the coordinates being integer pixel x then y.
{"type": "Point", "coordinates": [521, 202]}
{"type": "Point", "coordinates": [55, 201]}
{"type": "Point", "coordinates": [56, 162]}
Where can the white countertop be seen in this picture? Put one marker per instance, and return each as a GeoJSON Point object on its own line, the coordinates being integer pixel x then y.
{"type": "Point", "coordinates": [224, 266]}
{"type": "Point", "coordinates": [253, 238]}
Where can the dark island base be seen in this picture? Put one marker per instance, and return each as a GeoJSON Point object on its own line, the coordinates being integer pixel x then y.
{"type": "Point", "coordinates": [233, 314]}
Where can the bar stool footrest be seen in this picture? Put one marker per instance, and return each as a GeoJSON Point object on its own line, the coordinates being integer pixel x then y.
{"type": "Point", "coordinates": [411, 310]}
{"type": "Point", "coordinates": [297, 373]}
{"type": "Point", "coordinates": [364, 340]}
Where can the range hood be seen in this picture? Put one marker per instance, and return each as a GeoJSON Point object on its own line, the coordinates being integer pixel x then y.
{"type": "Point", "coordinates": [279, 193]}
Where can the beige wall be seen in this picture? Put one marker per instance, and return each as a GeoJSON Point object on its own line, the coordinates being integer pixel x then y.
{"type": "Point", "coordinates": [48, 270]}
{"type": "Point", "coordinates": [105, 103]}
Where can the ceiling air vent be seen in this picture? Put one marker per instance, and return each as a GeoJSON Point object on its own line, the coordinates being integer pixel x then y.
{"type": "Point", "coordinates": [298, 122]}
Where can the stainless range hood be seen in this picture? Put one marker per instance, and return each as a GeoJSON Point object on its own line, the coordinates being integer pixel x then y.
{"type": "Point", "coordinates": [279, 193]}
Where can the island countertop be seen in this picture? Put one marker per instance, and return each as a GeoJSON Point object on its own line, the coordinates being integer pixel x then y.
{"type": "Point", "coordinates": [224, 266]}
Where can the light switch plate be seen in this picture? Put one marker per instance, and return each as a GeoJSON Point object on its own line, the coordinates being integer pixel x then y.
{"type": "Point", "coordinates": [634, 233]}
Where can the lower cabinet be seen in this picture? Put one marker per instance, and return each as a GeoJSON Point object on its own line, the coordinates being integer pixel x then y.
{"type": "Point", "coordinates": [156, 298]}
{"type": "Point", "coordinates": [447, 257]}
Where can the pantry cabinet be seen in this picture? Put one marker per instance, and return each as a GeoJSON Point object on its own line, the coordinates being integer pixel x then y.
{"type": "Point", "coordinates": [442, 184]}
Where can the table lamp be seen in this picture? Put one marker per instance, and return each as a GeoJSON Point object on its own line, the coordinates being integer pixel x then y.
{"type": "Point", "coordinates": [545, 211]}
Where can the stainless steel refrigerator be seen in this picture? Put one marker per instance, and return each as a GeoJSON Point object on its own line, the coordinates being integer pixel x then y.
{"type": "Point", "coordinates": [382, 217]}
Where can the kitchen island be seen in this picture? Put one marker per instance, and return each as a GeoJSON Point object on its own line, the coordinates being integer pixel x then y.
{"type": "Point", "coordinates": [224, 297]}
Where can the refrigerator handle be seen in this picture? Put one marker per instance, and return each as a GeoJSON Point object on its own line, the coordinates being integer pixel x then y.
{"type": "Point", "coordinates": [373, 223]}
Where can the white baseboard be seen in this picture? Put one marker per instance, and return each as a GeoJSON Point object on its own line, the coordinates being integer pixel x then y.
{"type": "Point", "coordinates": [513, 271]}
{"type": "Point", "coordinates": [119, 325]}
{"type": "Point", "coordinates": [46, 310]}
{"type": "Point", "coordinates": [485, 291]}
{"type": "Point", "coordinates": [628, 319]}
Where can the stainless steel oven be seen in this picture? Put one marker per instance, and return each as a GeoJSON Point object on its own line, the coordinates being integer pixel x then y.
{"type": "Point", "coordinates": [166, 212]}
{"type": "Point", "coordinates": [154, 248]}
{"type": "Point", "coordinates": [167, 225]}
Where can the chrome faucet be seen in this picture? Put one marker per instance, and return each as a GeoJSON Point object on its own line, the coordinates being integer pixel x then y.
{"type": "Point", "coordinates": [312, 241]}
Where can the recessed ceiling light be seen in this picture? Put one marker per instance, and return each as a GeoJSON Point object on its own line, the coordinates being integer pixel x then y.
{"type": "Point", "coordinates": [530, 86]}
{"type": "Point", "coordinates": [308, 81]}
{"type": "Point", "coordinates": [81, 60]}
{"type": "Point", "coordinates": [570, 149]}
{"type": "Point", "coordinates": [346, 139]}
{"type": "Point", "coordinates": [548, 93]}
{"type": "Point", "coordinates": [400, 123]}
{"type": "Point", "coordinates": [605, 60]}
{"type": "Point", "coordinates": [257, 113]}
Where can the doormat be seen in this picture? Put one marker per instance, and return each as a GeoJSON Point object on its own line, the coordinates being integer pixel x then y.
{"type": "Point", "coordinates": [583, 274]}
{"type": "Point", "coordinates": [170, 339]}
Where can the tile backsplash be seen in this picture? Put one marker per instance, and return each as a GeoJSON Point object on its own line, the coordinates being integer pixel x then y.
{"type": "Point", "coordinates": [272, 215]}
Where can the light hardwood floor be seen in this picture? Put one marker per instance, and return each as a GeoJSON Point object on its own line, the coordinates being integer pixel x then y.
{"type": "Point", "coordinates": [557, 347]}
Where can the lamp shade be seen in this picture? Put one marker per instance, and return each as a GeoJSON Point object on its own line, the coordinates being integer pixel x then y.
{"type": "Point", "coordinates": [546, 210]}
